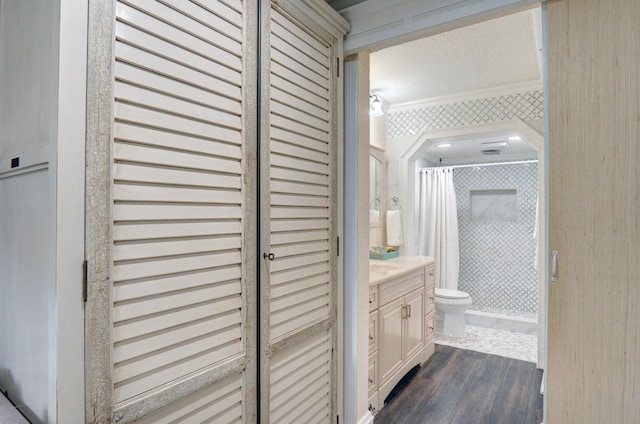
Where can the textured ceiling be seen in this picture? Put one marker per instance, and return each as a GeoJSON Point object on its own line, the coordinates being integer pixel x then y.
{"type": "Point", "coordinates": [489, 54]}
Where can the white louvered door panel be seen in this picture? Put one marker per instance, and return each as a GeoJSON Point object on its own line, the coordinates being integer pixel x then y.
{"type": "Point", "coordinates": [218, 403]}
{"type": "Point", "coordinates": [300, 389]}
{"type": "Point", "coordinates": [179, 281]}
{"type": "Point", "coordinates": [298, 178]}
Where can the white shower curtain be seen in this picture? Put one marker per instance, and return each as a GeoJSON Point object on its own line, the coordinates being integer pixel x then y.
{"type": "Point", "coordinates": [438, 224]}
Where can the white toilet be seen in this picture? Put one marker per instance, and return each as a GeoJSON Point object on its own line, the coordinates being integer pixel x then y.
{"type": "Point", "coordinates": [452, 304]}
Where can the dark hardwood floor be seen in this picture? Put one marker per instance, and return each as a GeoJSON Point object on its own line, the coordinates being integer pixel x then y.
{"type": "Point", "coordinates": [457, 386]}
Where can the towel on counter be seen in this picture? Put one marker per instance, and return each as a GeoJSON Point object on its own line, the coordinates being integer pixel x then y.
{"type": "Point", "coordinates": [394, 228]}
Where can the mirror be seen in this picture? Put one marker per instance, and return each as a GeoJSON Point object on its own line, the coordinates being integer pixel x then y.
{"type": "Point", "coordinates": [375, 168]}
{"type": "Point", "coordinates": [377, 186]}
{"type": "Point", "coordinates": [377, 195]}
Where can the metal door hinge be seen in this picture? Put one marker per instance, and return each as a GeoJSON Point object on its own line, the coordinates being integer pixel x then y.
{"type": "Point", "coordinates": [338, 67]}
{"type": "Point", "coordinates": [338, 247]}
{"type": "Point", "coordinates": [85, 289]}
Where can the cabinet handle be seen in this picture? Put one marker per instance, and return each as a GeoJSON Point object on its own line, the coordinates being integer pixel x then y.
{"type": "Point", "coordinates": [554, 267]}
{"type": "Point", "coordinates": [370, 301]}
{"type": "Point", "coordinates": [403, 312]}
{"type": "Point", "coordinates": [371, 380]}
{"type": "Point", "coordinates": [408, 311]}
{"type": "Point", "coordinates": [370, 337]}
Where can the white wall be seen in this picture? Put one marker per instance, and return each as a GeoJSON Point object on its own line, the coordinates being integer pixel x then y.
{"type": "Point", "coordinates": [41, 208]}
{"type": "Point", "coordinates": [28, 72]}
{"type": "Point", "coordinates": [378, 130]}
{"type": "Point", "coordinates": [27, 283]}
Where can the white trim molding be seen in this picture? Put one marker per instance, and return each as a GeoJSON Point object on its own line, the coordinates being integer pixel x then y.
{"type": "Point", "coordinates": [325, 14]}
{"type": "Point", "coordinates": [367, 419]}
{"type": "Point", "coordinates": [375, 25]}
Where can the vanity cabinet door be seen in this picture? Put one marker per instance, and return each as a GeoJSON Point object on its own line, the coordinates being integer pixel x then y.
{"type": "Point", "coordinates": [414, 323]}
{"type": "Point", "coordinates": [391, 323]}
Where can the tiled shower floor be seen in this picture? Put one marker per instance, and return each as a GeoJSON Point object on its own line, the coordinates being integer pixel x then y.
{"type": "Point", "coordinates": [497, 342]}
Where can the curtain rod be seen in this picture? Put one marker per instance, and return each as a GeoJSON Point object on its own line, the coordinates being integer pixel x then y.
{"type": "Point", "coordinates": [471, 165]}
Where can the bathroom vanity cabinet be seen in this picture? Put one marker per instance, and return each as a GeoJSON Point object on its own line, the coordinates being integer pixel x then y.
{"type": "Point", "coordinates": [401, 322]}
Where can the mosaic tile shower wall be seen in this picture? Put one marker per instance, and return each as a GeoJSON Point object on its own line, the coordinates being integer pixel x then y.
{"type": "Point", "coordinates": [525, 106]}
{"type": "Point", "coordinates": [497, 258]}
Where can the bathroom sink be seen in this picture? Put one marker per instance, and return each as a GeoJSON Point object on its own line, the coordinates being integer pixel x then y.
{"type": "Point", "coordinates": [382, 268]}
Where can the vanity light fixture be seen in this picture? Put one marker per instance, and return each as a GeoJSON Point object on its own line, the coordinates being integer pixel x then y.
{"type": "Point", "coordinates": [376, 106]}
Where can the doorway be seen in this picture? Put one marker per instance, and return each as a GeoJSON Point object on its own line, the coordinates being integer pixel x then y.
{"type": "Point", "coordinates": [402, 157]}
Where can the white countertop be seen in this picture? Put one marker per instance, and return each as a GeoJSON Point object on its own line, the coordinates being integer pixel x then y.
{"type": "Point", "coordinates": [381, 271]}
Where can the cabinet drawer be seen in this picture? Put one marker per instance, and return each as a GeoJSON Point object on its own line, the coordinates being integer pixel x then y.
{"type": "Point", "coordinates": [373, 373]}
{"type": "Point", "coordinates": [373, 331]}
{"type": "Point", "coordinates": [430, 279]}
{"type": "Point", "coordinates": [400, 287]}
{"type": "Point", "coordinates": [430, 300]}
{"type": "Point", "coordinates": [429, 326]}
{"type": "Point", "coordinates": [373, 298]}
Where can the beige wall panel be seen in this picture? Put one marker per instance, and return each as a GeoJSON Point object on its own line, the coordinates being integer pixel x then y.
{"type": "Point", "coordinates": [594, 315]}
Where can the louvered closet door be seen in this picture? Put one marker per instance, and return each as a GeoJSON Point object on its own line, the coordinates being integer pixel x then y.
{"type": "Point", "coordinates": [298, 284]}
{"type": "Point", "coordinates": [180, 212]}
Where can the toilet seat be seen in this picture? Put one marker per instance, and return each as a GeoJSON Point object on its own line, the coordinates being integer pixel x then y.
{"type": "Point", "coordinates": [451, 294]}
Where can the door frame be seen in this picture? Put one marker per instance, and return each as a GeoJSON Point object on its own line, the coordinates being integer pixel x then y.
{"type": "Point", "coordinates": [354, 45]}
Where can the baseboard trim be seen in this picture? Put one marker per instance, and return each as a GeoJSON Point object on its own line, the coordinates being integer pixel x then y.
{"type": "Point", "coordinates": [367, 419]}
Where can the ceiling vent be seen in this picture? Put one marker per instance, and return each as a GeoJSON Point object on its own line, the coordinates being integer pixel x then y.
{"type": "Point", "coordinates": [490, 152]}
